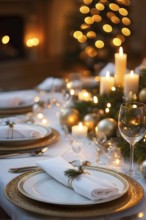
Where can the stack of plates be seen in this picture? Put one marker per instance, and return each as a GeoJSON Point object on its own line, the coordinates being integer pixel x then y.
{"type": "Point", "coordinates": [48, 136]}
{"type": "Point", "coordinates": [40, 193]}
{"type": "Point", "coordinates": [16, 102]}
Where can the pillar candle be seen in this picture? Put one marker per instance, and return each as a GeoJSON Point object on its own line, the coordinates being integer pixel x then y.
{"type": "Point", "coordinates": [79, 130]}
{"type": "Point", "coordinates": [131, 84]}
{"type": "Point", "coordinates": [120, 67]}
{"type": "Point", "coordinates": [106, 83]}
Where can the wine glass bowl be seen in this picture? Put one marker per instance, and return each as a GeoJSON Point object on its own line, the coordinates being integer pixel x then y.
{"type": "Point", "coordinates": [131, 124]}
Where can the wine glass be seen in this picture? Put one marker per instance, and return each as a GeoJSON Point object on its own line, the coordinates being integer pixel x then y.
{"type": "Point", "coordinates": [131, 124]}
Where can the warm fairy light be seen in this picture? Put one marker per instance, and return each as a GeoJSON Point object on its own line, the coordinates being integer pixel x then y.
{"type": "Point", "coordinates": [123, 12]}
{"type": "Point", "coordinates": [107, 110]}
{"type": "Point", "coordinates": [89, 20]}
{"type": "Point", "coordinates": [5, 39]}
{"type": "Point", "coordinates": [99, 44]}
{"type": "Point", "coordinates": [97, 18]}
{"type": "Point", "coordinates": [44, 121]}
{"type": "Point", "coordinates": [40, 115]}
{"type": "Point", "coordinates": [121, 37]}
{"type": "Point", "coordinates": [95, 99]}
{"type": "Point", "coordinates": [126, 21]}
{"type": "Point", "coordinates": [84, 9]}
{"type": "Point", "coordinates": [82, 39]}
{"type": "Point", "coordinates": [32, 42]}
{"type": "Point", "coordinates": [100, 6]}
{"type": "Point", "coordinates": [126, 31]}
{"type": "Point", "coordinates": [84, 26]}
{"type": "Point", "coordinates": [115, 19]}
{"type": "Point", "coordinates": [87, 2]}
{"type": "Point", "coordinates": [84, 95]}
{"type": "Point", "coordinates": [140, 215]}
{"type": "Point", "coordinates": [113, 88]}
{"type": "Point", "coordinates": [77, 34]}
{"type": "Point", "coordinates": [94, 11]}
{"type": "Point", "coordinates": [91, 51]}
{"type": "Point", "coordinates": [108, 105]}
{"type": "Point", "coordinates": [91, 34]}
{"type": "Point", "coordinates": [107, 28]}
{"type": "Point", "coordinates": [69, 85]}
{"type": "Point", "coordinates": [36, 99]}
{"type": "Point", "coordinates": [110, 14]}
{"type": "Point", "coordinates": [72, 92]}
{"type": "Point", "coordinates": [117, 42]}
{"type": "Point", "coordinates": [114, 7]}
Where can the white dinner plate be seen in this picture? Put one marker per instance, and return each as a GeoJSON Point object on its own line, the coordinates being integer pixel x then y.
{"type": "Point", "coordinates": [27, 97]}
{"type": "Point", "coordinates": [42, 187]}
{"type": "Point", "coordinates": [43, 131]}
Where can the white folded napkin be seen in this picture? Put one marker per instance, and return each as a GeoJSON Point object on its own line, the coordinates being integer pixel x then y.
{"type": "Point", "coordinates": [19, 131]}
{"type": "Point", "coordinates": [50, 83]}
{"type": "Point", "coordinates": [86, 185]}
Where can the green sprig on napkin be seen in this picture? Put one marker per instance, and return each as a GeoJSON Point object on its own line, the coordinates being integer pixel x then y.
{"type": "Point", "coordinates": [73, 173]}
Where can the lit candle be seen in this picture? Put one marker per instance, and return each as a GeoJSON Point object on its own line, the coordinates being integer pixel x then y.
{"type": "Point", "coordinates": [131, 84]}
{"type": "Point", "coordinates": [120, 67]}
{"type": "Point", "coordinates": [84, 95]}
{"type": "Point", "coordinates": [106, 83]}
{"type": "Point", "coordinates": [79, 130]}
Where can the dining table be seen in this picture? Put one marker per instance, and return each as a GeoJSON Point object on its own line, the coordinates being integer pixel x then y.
{"type": "Point", "coordinates": [62, 147]}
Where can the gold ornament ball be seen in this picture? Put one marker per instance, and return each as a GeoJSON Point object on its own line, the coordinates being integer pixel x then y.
{"type": "Point", "coordinates": [69, 117]}
{"type": "Point", "coordinates": [91, 120]}
{"type": "Point", "coordinates": [108, 126]}
{"type": "Point", "coordinates": [142, 95]}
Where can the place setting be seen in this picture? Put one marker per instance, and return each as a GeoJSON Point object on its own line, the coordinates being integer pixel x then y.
{"type": "Point", "coordinates": [17, 102]}
{"type": "Point", "coordinates": [25, 138]}
{"type": "Point", "coordinates": [90, 190]}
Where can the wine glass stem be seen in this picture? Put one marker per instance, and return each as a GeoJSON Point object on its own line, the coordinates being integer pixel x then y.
{"type": "Point", "coordinates": [131, 170]}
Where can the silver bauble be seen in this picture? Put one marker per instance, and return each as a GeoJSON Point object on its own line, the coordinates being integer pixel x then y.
{"type": "Point", "coordinates": [69, 116]}
{"type": "Point", "coordinates": [143, 168]}
{"type": "Point", "coordinates": [91, 120]}
{"type": "Point", "coordinates": [142, 95]}
{"type": "Point", "coordinates": [108, 126]}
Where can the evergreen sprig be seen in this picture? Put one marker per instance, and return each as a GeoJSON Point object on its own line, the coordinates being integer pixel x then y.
{"type": "Point", "coordinates": [73, 173]}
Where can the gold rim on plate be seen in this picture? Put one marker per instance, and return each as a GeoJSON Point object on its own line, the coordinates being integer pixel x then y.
{"type": "Point", "coordinates": [16, 110]}
{"type": "Point", "coordinates": [52, 138]}
{"type": "Point", "coordinates": [131, 198]}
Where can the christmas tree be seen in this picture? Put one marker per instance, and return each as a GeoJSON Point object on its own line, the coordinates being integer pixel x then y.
{"type": "Point", "coordinates": [100, 28]}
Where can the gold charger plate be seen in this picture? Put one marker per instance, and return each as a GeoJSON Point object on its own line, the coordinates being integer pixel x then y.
{"type": "Point", "coordinates": [15, 110]}
{"type": "Point", "coordinates": [53, 137]}
{"type": "Point", "coordinates": [130, 199]}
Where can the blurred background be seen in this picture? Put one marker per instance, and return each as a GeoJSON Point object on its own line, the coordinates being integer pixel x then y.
{"type": "Point", "coordinates": [43, 38]}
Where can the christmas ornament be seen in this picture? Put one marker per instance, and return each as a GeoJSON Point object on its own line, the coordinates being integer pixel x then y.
{"type": "Point", "coordinates": [143, 168]}
{"type": "Point", "coordinates": [108, 126]}
{"type": "Point", "coordinates": [91, 120]}
{"type": "Point", "coordinates": [142, 95]}
{"type": "Point", "coordinates": [69, 116]}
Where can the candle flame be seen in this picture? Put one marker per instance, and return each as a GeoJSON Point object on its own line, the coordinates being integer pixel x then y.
{"type": "Point", "coordinates": [132, 73]}
{"type": "Point", "coordinates": [107, 74]}
{"type": "Point", "coordinates": [80, 125]}
{"type": "Point", "coordinates": [121, 50]}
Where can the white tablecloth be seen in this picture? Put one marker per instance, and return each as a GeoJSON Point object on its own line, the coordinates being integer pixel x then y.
{"type": "Point", "coordinates": [59, 148]}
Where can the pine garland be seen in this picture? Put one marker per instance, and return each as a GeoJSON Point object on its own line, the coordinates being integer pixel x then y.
{"type": "Point", "coordinates": [115, 98]}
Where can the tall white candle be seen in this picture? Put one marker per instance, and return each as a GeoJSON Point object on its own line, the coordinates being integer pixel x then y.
{"type": "Point", "coordinates": [120, 67]}
{"type": "Point", "coordinates": [79, 130]}
{"type": "Point", "coordinates": [106, 83]}
{"type": "Point", "coordinates": [131, 84]}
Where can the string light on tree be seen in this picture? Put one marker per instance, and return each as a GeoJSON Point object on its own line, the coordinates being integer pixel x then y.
{"type": "Point", "coordinates": [104, 25]}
